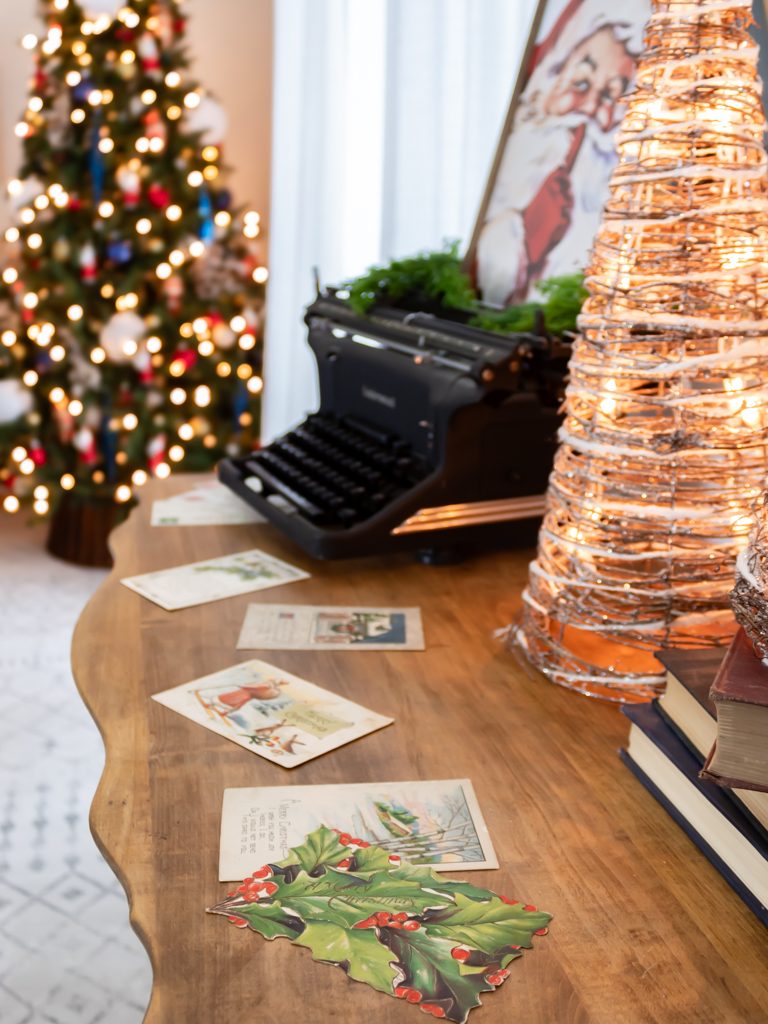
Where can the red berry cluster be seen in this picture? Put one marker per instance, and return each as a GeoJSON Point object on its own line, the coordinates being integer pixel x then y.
{"type": "Point", "coordinates": [436, 1011]}
{"type": "Point", "coordinates": [347, 840]}
{"type": "Point", "coordinates": [239, 922]}
{"type": "Point", "coordinates": [384, 920]}
{"type": "Point", "coordinates": [512, 903]}
{"type": "Point", "coordinates": [254, 888]}
{"type": "Point", "coordinates": [408, 993]}
{"type": "Point", "coordinates": [497, 977]}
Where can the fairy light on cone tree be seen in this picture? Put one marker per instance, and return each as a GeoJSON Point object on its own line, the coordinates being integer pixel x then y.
{"type": "Point", "coordinates": [130, 322]}
{"type": "Point", "coordinates": [663, 445]}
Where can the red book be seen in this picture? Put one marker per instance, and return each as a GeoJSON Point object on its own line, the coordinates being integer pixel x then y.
{"type": "Point", "coordinates": [739, 757]}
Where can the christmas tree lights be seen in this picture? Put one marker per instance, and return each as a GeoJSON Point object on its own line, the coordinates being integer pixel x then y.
{"type": "Point", "coordinates": [663, 446]}
{"type": "Point", "coordinates": [131, 316]}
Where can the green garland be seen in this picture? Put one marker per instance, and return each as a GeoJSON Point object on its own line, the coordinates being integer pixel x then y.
{"type": "Point", "coordinates": [438, 275]}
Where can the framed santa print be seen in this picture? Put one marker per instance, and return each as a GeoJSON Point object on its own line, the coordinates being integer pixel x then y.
{"type": "Point", "coordinates": [549, 177]}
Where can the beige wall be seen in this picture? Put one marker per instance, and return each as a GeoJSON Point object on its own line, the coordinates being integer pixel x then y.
{"type": "Point", "coordinates": [230, 42]}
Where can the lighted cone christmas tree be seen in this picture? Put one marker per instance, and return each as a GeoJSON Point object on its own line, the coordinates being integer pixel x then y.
{"type": "Point", "coordinates": [663, 445]}
{"type": "Point", "coordinates": [131, 315]}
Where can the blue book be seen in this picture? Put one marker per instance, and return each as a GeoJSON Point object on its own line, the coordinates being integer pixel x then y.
{"type": "Point", "coordinates": [670, 772]}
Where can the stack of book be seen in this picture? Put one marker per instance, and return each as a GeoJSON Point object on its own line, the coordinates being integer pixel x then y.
{"type": "Point", "coordinates": [675, 750]}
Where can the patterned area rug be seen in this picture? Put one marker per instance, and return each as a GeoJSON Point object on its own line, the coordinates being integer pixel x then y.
{"type": "Point", "coordinates": [67, 952]}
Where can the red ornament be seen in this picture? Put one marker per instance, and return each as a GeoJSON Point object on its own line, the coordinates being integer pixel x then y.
{"type": "Point", "coordinates": [214, 318]}
{"type": "Point", "coordinates": [37, 454]}
{"type": "Point", "coordinates": [156, 451]}
{"type": "Point", "coordinates": [158, 196]}
{"type": "Point", "coordinates": [75, 202]}
{"type": "Point", "coordinates": [187, 355]}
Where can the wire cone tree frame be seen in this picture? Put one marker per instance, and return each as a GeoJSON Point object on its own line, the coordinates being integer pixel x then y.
{"type": "Point", "coordinates": [663, 447]}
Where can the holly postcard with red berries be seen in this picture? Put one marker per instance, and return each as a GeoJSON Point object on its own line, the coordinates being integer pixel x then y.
{"type": "Point", "coordinates": [436, 823]}
{"type": "Point", "coordinates": [275, 714]}
{"type": "Point", "coordinates": [400, 928]}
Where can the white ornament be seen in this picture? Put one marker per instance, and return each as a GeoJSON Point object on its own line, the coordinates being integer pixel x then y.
{"type": "Point", "coordinates": [15, 400]}
{"type": "Point", "coordinates": [223, 336]}
{"type": "Point", "coordinates": [210, 118]}
{"type": "Point", "coordinates": [121, 327]}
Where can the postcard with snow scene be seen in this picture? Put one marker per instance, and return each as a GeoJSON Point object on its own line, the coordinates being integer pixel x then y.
{"type": "Point", "coordinates": [271, 712]}
{"type": "Point", "coordinates": [434, 823]}
{"type": "Point", "coordinates": [295, 627]}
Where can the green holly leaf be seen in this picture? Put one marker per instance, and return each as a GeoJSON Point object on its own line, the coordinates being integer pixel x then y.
{"type": "Point", "coordinates": [489, 926]}
{"type": "Point", "coordinates": [360, 952]}
{"type": "Point", "coordinates": [406, 931]}
{"type": "Point", "coordinates": [321, 847]}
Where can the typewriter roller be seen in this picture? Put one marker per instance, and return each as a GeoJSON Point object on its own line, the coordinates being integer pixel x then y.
{"type": "Point", "coordinates": [430, 435]}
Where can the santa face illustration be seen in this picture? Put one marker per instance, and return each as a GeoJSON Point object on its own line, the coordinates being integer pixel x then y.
{"type": "Point", "coordinates": [553, 178]}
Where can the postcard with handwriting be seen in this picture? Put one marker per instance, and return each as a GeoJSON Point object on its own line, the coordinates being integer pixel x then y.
{"type": "Point", "coordinates": [294, 627]}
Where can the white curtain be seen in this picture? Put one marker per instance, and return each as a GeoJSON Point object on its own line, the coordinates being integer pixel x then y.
{"type": "Point", "coordinates": [386, 115]}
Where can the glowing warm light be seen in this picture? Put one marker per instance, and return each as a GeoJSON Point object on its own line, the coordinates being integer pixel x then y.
{"type": "Point", "coordinates": [74, 312]}
{"type": "Point", "coordinates": [73, 78]}
{"type": "Point", "coordinates": [156, 144]}
{"type": "Point", "coordinates": [10, 274]}
{"type": "Point", "coordinates": [67, 482]}
{"type": "Point", "coordinates": [187, 330]}
{"type": "Point", "coordinates": [75, 407]}
{"type": "Point", "coordinates": [196, 249]}
{"type": "Point", "coordinates": [106, 209]}
{"type": "Point", "coordinates": [11, 503]}
{"type": "Point", "coordinates": [57, 395]}
{"type": "Point", "coordinates": [246, 342]}
{"type": "Point", "coordinates": [29, 41]}
{"type": "Point", "coordinates": [199, 325]}
{"type": "Point", "coordinates": [174, 113]}
{"type": "Point", "coordinates": [255, 384]}
{"type": "Point", "coordinates": [251, 217]}
{"type": "Point", "coordinates": [162, 470]}
{"type": "Point", "coordinates": [40, 506]}
{"type": "Point", "coordinates": [139, 477]}
{"type": "Point", "coordinates": [251, 230]}
{"type": "Point", "coordinates": [173, 79]}
{"type": "Point", "coordinates": [8, 338]}
{"type": "Point", "coordinates": [154, 344]}
{"type": "Point", "coordinates": [130, 300]}
{"type": "Point", "coordinates": [57, 353]}
{"type": "Point", "coordinates": [176, 453]}
{"type": "Point", "coordinates": [95, 97]}
{"type": "Point", "coordinates": [35, 241]}
{"type": "Point", "coordinates": [192, 100]}
{"type": "Point", "coordinates": [19, 453]}
{"type": "Point", "coordinates": [61, 199]}
{"type": "Point", "coordinates": [130, 421]}
{"type": "Point", "coordinates": [210, 173]}
{"type": "Point", "coordinates": [15, 187]}
{"type": "Point", "coordinates": [238, 323]}
{"type": "Point", "coordinates": [210, 153]}
{"type": "Point", "coordinates": [173, 212]}
{"type": "Point", "coordinates": [205, 348]}
{"type": "Point", "coordinates": [177, 258]}
{"type": "Point", "coordinates": [661, 445]}
{"type": "Point", "coordinates": [27, 467]}
{"type": "Point", "coordinates": [107, 96]}
{"type": "Point", "coordinates": [148, 96]}
{"type": "Point", "coordinates": [77, 116]}
{"type": "Point", "coordinates": [127, 57]}
{"type": "Point", "coordinates": [163, 270]}
{"type": "Point", "coordinates": [129, 347]}
{"type": "Point", "coordinates": [107, 291]}
{"type": "Point", "coordinates": [42, 201]}
{"type": "Point", "coordinates": [11, 235]}
{"type": "Point", "coordinates": [194, 178]}
{"type": "Point", "coordinates": [202, 396]}
{"type": "Point", "coordinates": [177, 367]}
{"type": "Point", "coordinates": [178, 396]}
{"type": "Point", "coordinates": [40, 492]}
{"type": "Point", "coordinates": [186, 431]}
{"type": "Point", "coordinates": [35, 104]}
{"type": "Point", "coordinates": [60, 5]}
{"type": "Point", "coordinates": [27, 215]}
{"type": "Point", "coordinates": [244, 371]}
{"type": "Point", "coordinates": [106, 145]}
{"type": "Point", "coordinates": [142, 144]}
{"type": "Point", "coordinates": [222, 219]}
{"type": "Point", "coordinates": [144, 225]}
{"type": "Point", "coordinates": [123, 493]}
{"type": "Point", "coordinates": [30, 300]}
{"type": "Point", "coordinates": [260, 275]}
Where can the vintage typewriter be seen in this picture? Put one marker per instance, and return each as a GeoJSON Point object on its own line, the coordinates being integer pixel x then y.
{"type": "Point", "coordinates": [431, 435]}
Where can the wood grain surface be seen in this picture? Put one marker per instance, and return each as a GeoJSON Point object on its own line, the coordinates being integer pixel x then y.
{"type": "Point", "coordinates": [644, 929]}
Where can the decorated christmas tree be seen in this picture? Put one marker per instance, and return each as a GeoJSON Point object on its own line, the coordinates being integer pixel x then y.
{"type": "Point", "coordinates": [131, 318]}
{"type": "Point", "coordinates": [664, 442]}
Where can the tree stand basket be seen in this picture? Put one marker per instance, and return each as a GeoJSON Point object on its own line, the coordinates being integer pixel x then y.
{"type": "Point", "coordinates": [79, 531]}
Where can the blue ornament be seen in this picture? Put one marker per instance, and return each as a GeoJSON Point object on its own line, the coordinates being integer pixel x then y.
{"type": "Point", "coordinates": [119, 250]}
{"type": "Point", "coordinates": [109, 445]}
{"type": "Point", "coordinates": [223, 199]}
{"type": "Point", "coordinates": [96, 161]}
{"type": "Point", "coordinates": [81, 91]}
{"type": "Point", "coordinates": [205, 213]}
{"type": "Point", "coordinates": [240, 404]}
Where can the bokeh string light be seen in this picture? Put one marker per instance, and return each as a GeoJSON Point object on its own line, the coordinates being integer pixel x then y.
{"type": "Point", "coordinates": [663, 445]}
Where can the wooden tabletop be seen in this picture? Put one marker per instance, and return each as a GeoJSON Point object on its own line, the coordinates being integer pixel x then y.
{"type": "Point", "coordinates": [644, 929]}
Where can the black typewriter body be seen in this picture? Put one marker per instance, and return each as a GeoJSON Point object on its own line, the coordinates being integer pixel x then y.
{"type": "Point", "coordinates": [430, 435]}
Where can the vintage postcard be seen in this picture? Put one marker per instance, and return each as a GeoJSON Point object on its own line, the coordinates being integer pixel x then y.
{"type": "Point", "coordinates": [271, 712]}
{"type": "Point", "coordinates": [200, 582]}
{"type": "Point", "coordinates": [212, 505]}
{"type": "Point", "coordinates": [297, 627]}
{"type": "Point", "coordinates": [436, 823]}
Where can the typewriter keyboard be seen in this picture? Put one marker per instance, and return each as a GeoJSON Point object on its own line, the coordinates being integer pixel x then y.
{"type": "Point", "coordinates": [337, 470]}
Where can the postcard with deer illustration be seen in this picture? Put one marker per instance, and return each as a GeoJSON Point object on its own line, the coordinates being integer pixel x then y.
{"type": "Point", "coordinates": [271, 712]}
{"type": "Point", "coordinates": [200, 582]}
{"type": "Point", "coordinates": [433, 823]}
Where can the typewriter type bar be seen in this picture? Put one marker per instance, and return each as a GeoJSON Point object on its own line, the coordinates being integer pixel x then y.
{"type": "Point", "coordinates": [426, 428]}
